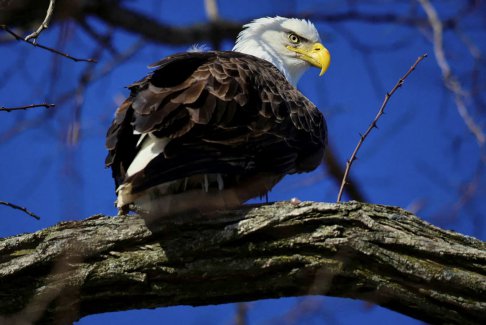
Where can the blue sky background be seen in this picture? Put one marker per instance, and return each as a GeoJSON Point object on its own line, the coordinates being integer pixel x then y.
{"type": "Point", "coordinates": [421, 158]}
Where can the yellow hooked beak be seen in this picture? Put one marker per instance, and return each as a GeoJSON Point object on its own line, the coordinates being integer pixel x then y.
{"type": "Point", "coordinates": [317, 55]}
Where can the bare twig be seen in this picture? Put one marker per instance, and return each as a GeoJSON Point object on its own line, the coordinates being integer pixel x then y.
{"type": "Point", "coordinates": [64, 98]}
{"type": "Point", "coordinates": [336, 171]}
{"type": "Point", "coordinates": [44, 24]}
{"type": "Point", "coordinates": [450, 80]}
{"type": "Point", "coordinates": [50, 49]}
{"type": "Point", "coordinates": [374, 123]}
{"type": "Point", "coordinates": [18, 207]}
{"type": "Point", "coordinates": [19, 108]}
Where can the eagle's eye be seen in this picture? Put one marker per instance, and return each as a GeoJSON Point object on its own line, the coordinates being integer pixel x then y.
{"type": "Point", "coordinates": [294, 38]}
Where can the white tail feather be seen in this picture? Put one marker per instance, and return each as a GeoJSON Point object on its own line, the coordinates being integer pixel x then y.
{"type": "Point", "coordinates": [151, 147]}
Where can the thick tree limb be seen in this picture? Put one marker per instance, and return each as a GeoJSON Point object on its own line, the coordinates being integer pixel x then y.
{"type": "Point", "coordinates": [23, 13]}
{"type": "Point", "coordinates": [376, 253]}
{"type": "Point", "coordinates": [155, 30]}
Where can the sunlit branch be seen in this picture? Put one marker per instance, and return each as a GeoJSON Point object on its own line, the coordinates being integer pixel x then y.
{"type": "Point", "coordinates": [374, 124]}
{"type": "Point", "coordinates": [211, 7]}
{"type": "Point", "coordinates": [44, 24]}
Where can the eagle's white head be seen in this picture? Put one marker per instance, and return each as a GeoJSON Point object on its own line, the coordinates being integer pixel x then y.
{"type": "Point", "coordinates": [291, 44]}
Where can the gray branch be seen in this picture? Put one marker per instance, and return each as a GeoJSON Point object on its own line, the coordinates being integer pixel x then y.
{"type": "Point", "coordinates": [44, 24]}
{"type": "Point", "coordinates": [379, 254]}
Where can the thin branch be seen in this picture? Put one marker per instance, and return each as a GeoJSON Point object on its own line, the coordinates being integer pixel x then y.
{"type": "Point", "coordinates": [26, 107]}
{"type": "Point", "coordinates": [18, 207]}
{"type": "Point", "coordinates": [211, 7]}
{"type": "Point", "coordinates": [44, 25]}
{"type": "Point", "coordinates": [374, 123]}
{"type": "Point", "coordinates": [50, 49]}
{"type": "Point", "coordinates": [69, 95]}
{"type": "Point", "coordinates": [336, 171]}
{"type": "Point", "coordinates": [450, 80]}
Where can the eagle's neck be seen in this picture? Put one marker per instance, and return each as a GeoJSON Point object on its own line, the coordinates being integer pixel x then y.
{"type": "Point", "coordinates": [292, 72]}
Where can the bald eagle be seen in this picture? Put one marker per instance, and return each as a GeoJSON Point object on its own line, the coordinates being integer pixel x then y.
{"type": "Point", "coordinates": [211, 130]}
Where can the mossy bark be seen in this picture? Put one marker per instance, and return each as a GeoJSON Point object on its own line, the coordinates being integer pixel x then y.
{"type": "Point", "coordinates": [380, 254]}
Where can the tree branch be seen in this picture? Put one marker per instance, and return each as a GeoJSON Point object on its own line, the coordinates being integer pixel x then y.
{"type": "Point", "coordinates": [374, 123]}
{"type": "Point", "coordinates": [44, 24]}
{"type": "Point", "coordinates": [154, 30]}
{"type": "Point", "coordinates": [18, 207]}
{"type": "Point", "coordinates": [50, 49]}
{"type": "Point", "coordinates": [25, 107]}
{"type": "Point", "coordinates": [380, 254]}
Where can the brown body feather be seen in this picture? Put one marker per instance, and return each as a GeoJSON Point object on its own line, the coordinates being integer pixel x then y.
{"type": "Point", "coordinates": [225, 113]}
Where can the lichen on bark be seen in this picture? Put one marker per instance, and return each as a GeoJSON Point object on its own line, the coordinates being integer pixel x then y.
{"type": "Point", "coordinates": [380, 254]}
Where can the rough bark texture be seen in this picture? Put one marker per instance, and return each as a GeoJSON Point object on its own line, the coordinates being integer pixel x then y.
{"type": "Point", "coordinates": [380, 254]}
